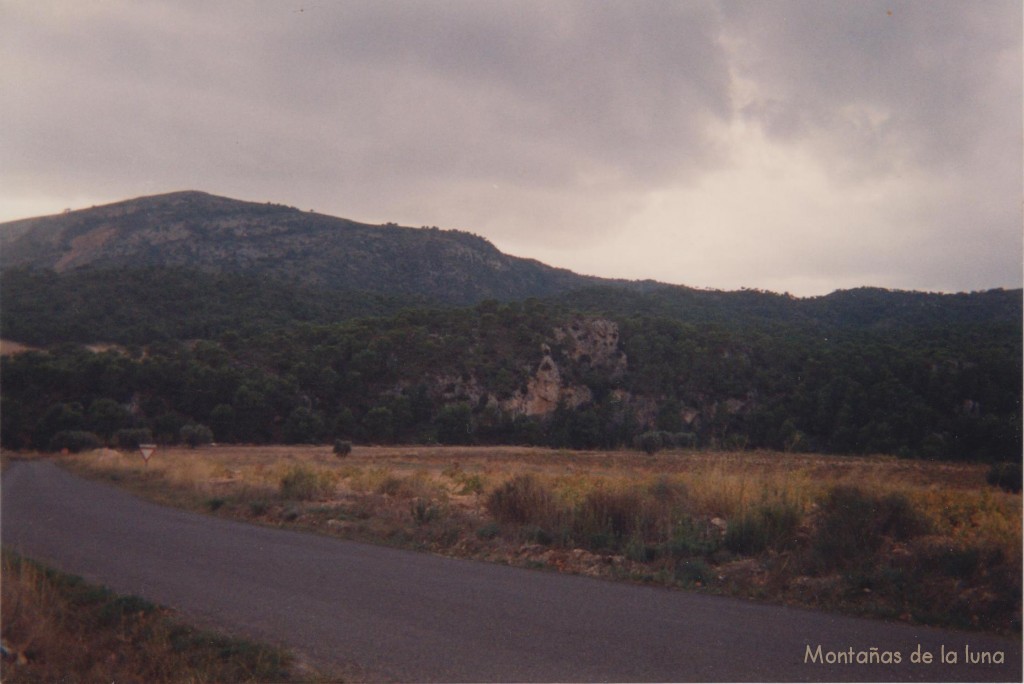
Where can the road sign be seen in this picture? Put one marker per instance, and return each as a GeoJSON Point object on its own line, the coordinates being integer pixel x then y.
{"type": "Point", "coordinates": [147, 451]}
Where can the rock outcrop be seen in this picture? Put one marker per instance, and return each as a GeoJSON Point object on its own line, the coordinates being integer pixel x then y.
{"type": "Point", "coordinates": [585, 343]}
{"type": "Point", "coordinates": [593, 342]}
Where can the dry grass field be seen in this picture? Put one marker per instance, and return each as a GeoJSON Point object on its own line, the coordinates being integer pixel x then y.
{"type": "Point", "coordinates": [924, 542]}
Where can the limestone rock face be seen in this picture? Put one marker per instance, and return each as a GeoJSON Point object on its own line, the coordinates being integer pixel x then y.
{"type": "Point", "coordinates": [593, 342]}
{"type": "Point", "coordinates": [546, 389]}
{"type": "Point", "coordinates": [586, 343]}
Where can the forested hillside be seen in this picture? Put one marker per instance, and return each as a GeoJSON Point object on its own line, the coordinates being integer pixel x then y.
{"type": "Point", "coordinates": [892, 381]}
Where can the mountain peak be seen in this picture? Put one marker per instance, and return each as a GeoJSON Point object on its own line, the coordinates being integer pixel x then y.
{"type": "Point", "coordinates": [195, 229]}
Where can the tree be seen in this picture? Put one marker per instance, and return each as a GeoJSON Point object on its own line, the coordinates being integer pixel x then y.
{"type": "Point", "coordinates": [303, 426]}
{"type": "Point", "coordinates": [222, 422]}
{"type": "Point", "coordinates": [106, 417]}
{"type": "Point", "coordinates": [195, 435]}
{"type": "Point", "coordinates": [455, 424]}
{"type": "Point", "coordinates": [58, 418]}
{"type": "Point", "coordinates": [379, 424]}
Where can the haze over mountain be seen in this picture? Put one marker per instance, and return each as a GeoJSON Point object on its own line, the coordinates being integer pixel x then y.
{"type": "Point", "coordinates": [220, 235]}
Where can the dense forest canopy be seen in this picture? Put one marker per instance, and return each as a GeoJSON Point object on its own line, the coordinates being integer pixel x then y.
{"type": "Point", "coordinates": [253, 360]}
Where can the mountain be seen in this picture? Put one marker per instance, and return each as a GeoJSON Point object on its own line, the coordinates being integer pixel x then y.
{"type": "Point", "coordinates": [213, 234]}
{"type": "Point", "coordinates": [190, 265]}
{"type": "Point", "coordinates": [269, 324]}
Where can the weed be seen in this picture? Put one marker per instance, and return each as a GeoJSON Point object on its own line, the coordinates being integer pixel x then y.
{"type": "Point", "coordinates": [390, 486]}
{"type": "Point", "coordinates": [301, 483]}
{"type": "Point", "coordinates": [489, 531]}
{"type": "Point", "coordinates": [258, 507]}
{"type": "Point", "coordinates": [606, 518]}
{"type": "Point", "coordinates": [693, 572]}
{"type": "Point", "coordinates": [424, 511]}
{"type": "Point", "coordinates": [536, 535]}
{"type": "Point", "coordinates": [688, 540]}
{"type": "Point", "coordinates": [667, 491]}
{"type": "Point", "coordinates": [853, 524]}
{"type": "Point", "coordinates": [215, 503]}
{"type": "Point", "coordinates": [471, 484]}
{"type": "Point", "coordinates": [522, 500]}
{"type": "Point", "coordinates": [637, 550]}
{"type": "Point", "coordinates": [767, 526]}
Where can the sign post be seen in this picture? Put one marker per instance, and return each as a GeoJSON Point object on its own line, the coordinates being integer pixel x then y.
{"type": "Point", "coordinates": [147, 451]}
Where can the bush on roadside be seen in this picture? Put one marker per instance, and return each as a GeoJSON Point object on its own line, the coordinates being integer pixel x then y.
{"type": "Point", "coordinates": [74, 441]}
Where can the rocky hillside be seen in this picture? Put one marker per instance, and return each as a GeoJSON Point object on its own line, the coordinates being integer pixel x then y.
{"type": "Point", "coordinates": [219, 235]}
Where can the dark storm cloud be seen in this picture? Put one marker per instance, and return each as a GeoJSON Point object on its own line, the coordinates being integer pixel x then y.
{"type": "Point", "coordinates": [887, 80]}
{"type": "Point", "coordinates": [527, 95]}
{"type": "Point", "coordinates": [376, 95]}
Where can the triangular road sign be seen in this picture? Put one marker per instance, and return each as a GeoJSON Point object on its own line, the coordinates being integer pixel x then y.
{"type": "Point", "coordinates": [147, 451]}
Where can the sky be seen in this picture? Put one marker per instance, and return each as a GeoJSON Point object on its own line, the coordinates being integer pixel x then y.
{"type": "Point", "coordinates": [797, 146]}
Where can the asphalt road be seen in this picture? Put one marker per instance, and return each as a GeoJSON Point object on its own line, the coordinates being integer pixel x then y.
{"type": "Point", "coordinates": [416, 617]}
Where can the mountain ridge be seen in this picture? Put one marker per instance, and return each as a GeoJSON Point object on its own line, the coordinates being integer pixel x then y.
{"type": "Point", "coordinates": [217, 234]}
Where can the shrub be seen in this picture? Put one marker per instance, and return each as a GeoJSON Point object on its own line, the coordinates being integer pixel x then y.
{"type": "Point", "coordinates": [688, 540]}
{"type": "Point", "coordinates": [668, 492]}
{"type": "Point", "coordinates": [690, 572]}
{"type": "Point", "coordinates": [607, 518]}
{"type": "Point", "coordinates": [302, 484]}
{"type": "Point", "coordinates": [131, 438]}
{"type": "Point", "coordinates": [303, 426]}
{"type": "Point", "coordinates": [195, 435]}
{"type": "Point", "coordinates": [768, 526]}
{"type": "Point", "coordinates": [424, 511]}
{"type": "Point", "coordinates": [489, 531]}
{"type": "Point", "coordinates": [342, 448]}
{"type": "Point", "coordinates": [853, 524]}
{"type": "Point", "coordinates": [391, 485]}
{"type": "Point", "coordinates": [74, 441]}
{"type": "Point", "coordinates": [650, 442]}
{"type": "Point", "coordinates": [685, 440]}
{"type": "Point", "coordinates": [1007, 476]}
{"type": "Point", "coordinates": [471, 484]}
{"type": "Point", "coordinates": [522, 500]}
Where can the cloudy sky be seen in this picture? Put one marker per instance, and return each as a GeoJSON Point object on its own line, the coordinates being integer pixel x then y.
{"type": "Point", "coordinates": [788, 145]}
